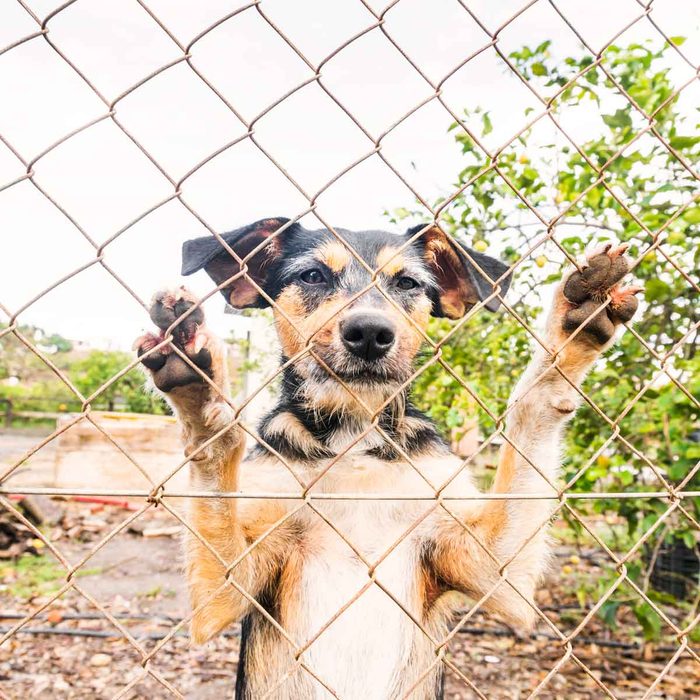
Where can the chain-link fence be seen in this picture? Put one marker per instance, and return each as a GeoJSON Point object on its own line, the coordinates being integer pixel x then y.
{"type": "Point", "coordinates": [661, 363]}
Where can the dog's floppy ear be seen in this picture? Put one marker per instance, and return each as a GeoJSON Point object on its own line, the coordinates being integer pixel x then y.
{"type": "Point", "coordinates": [460, 282]}
{"type": "Point", "coordinates": [208, 253]}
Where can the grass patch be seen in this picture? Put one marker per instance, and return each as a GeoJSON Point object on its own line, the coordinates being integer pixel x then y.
{"type": "Point", "coordinates": [31, 575]}
{"type": "Point", "coordinates": [158, 592]}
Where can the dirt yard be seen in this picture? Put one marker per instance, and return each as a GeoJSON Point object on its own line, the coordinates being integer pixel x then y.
{"type": "Point", "coordinates": [71, 650]}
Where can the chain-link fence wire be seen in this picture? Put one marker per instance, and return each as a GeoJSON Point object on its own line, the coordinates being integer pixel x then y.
{"type": "Point", "coordinates": [160, 495]}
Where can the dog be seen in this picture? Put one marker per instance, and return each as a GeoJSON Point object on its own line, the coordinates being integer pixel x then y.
{"type": "Point", "coordinates": [346, 582]}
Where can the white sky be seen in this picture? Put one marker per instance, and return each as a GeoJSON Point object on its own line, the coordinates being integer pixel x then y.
{"type": "Point", "coordinates": [104, 181]}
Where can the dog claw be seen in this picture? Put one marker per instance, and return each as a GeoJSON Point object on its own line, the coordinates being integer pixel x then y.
{"type": "Point", "coordinates": [198, 343]}
{"type": "Point", "coordinates": [620, 250]}
{"type": "Point", "coordinates": [145, 342]}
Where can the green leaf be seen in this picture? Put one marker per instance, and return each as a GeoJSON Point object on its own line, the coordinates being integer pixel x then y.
{"type": "Point", "coordinates": [688, 539]}
{"type": "Point", "coordinates": [692, 215]}
{"type": "Point", "coordinates": [608, 612]}
{"type": "Point", "coordinates": [655, 289]}
{"type": "Point", "coordinates": [619, 120]}
{"type": "Point", "coordinates": [680, 142]}
{"type": "Point", "coordinates": [693, 452]}
{"type": "Point", "coordinates": [677, 40]}
{"type": "Point", "coordinates": [487, 125]}
{"type": "Point", "coordinates": [539, 69]}
{"type": "Point", "coordinates": [648, 619]}
{"type": "Point", "coordinates": [677, 471]}
{"type": "Point", "coordinates": [626, 478]}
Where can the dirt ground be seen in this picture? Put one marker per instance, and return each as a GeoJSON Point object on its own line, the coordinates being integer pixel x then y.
{"type": "Point", "coordinates": [70, 650]}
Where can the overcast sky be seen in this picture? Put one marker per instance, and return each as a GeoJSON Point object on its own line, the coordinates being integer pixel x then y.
{"type": "Point", "coordinates": [103, 181]}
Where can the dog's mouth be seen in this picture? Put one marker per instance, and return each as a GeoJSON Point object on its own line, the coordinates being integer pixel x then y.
{"type": "Point", "coordinates": [366, 375]}
{"type": "Point", "coordinates": [355, 371]}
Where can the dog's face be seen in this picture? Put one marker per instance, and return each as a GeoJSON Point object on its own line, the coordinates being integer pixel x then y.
{"type": "Point", "coordinates": [356, 312]}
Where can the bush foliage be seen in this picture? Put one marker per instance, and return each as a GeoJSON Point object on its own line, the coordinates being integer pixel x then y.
{"type": "Point", "coordinates": [32, 386]}
{"type": "Point", "coordinates": [645, 388]}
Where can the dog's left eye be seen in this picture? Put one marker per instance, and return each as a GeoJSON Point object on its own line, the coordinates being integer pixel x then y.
{"type": "Point", "coordinates": [406, 283]}
{"type": "Point", "coordinates": [313, 276]}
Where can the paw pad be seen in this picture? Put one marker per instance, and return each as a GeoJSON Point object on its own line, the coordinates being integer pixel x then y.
{"type": "Point", "coordinates": [586, 290]}
{"type": "Point", "coordinates": [168, 368]}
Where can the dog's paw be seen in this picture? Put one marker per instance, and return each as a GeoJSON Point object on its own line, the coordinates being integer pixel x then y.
{"type": "Point", "coordinates": [168, 369]}
{"type": "Point", "coordinates": [587, 290]}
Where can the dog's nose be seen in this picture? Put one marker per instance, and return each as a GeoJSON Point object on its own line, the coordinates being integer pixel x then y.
{"type": "Point", "coordinates": [369, 336]}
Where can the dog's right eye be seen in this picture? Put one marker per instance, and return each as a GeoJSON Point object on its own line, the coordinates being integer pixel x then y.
{"type": "Point", "coordinates": [314, 276]}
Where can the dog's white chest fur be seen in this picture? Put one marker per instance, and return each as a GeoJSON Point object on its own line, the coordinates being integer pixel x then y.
{"type": "Point", "coordinates": [362, 651]}
{"type": "Point", "coordinates": [364, 642]}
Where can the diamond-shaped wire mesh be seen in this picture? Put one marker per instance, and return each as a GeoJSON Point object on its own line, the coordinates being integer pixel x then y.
{"type": "Point", "coordinates": [103, 104]}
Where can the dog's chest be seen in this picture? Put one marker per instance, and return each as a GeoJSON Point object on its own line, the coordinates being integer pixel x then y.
{"type": "Point", "coordinates": [360, 650]}
{"type": "Point", "coordinates": [356, 573]}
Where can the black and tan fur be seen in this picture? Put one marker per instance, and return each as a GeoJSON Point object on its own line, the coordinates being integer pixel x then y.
{"type": "Point", "coordinates": [302, 572]}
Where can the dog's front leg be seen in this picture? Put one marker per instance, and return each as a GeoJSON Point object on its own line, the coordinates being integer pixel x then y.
{"type": "Point", "coordinates": [514, 531]}
{"type": "Point", "coordinates": [198, 392]}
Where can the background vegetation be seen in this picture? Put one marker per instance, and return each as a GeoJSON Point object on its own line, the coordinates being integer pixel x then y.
{"type": "Point", "coordinates": [31, 385]}
{"type": "Point", "coordinates": [490, 352]}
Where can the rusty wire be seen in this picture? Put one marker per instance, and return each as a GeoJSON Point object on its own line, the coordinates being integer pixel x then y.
{"type": "Point", "coordinates": [160, 494]}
